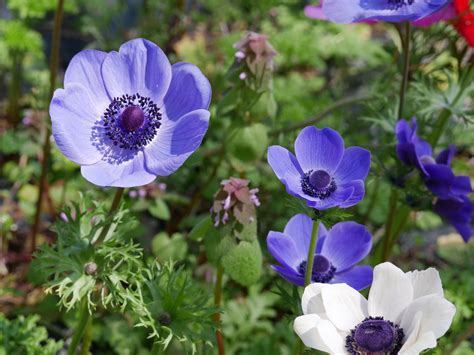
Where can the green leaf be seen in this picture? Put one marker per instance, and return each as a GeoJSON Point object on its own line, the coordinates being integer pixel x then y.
{"type": "Point", "coordinates": [200, 229]}
{"type": "Point", "coordinates": [217, 243]}
{"type": "Point", "coordinates": [160, 210]}
{"type": "Point", "coordinates": [249, 144]}
{"type": "Point", "coordinates": [166, 247]}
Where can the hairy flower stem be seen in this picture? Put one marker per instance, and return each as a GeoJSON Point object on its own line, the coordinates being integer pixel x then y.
{"type": "Point", "coordinates": [53, 69]}
{"type": "Point", "coordinates": [406, 67]}
{"type": "Point", "coordinates": [87, 340]}
{"type": "Point", "coordinates": [217, 304]}
{"type": "Point", "coordinates": [113, 208]}
{"type": "Point", "coordinates": [311, 251]}
{"type": "Point", "coordinates": [83, 321]}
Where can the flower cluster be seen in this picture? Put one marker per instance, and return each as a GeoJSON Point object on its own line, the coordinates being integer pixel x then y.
{"type": "Point", "coordinates": [451, 191]}
{"type": "Point", "coordinates": [256, 50]}
{"type": "Point", "coordinates": [235, 200]}
{"type": "Point", "coordinates": [404, 314]}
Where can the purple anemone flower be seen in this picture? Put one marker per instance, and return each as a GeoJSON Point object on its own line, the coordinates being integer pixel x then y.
{"type": "Point", "coordinates": [337, 251]}
{"type": "Point", "coordinates": [437, 173]}
{"type": "Point", "coordinates": [457, 212]}
{"type": "Point", "coordinates": [129, 116]}
{"type": "Point", "coordinates": [445, 13]}
{"type": "Point", "coordinates": [323, 173]}
{"type": "Point", "coordinates": [349, 11]}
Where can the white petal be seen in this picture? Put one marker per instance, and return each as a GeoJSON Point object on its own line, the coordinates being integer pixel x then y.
{"type": "Point", "coordinates": [311, 302]}
{"type": "Point", "coordinates": [391, 292]}
{"type": "Point", "coordinates": [317, 333]}
{"type": "Point", "coordinates": [425, 282]}
{"type": "Point", "coordinates": [414, 341]}
{"type": "Point", "coordinates": [345, 307]}
{"type": "Point", "coordinates": [436, 315]}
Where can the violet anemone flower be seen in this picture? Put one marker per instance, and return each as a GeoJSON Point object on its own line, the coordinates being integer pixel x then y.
{"type": "Point", "coordinates": [129, 116]}
{"type": "Point", "coordinates": [349, 11]}
{"type": "Point", "coordinates": [437, 173]}
{"type": "Point", "coordinates": [446, 13]}
{"type": "Point", "coordinates": [337, 251]}
{"type": "Point", "coordinates": [457, 212]}
{"type": "Point", "coordinates": [323, 173]}
{"type": "Point", "coordinates": [404, 314]}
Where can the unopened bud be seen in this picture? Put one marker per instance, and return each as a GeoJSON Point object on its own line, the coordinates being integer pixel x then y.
{"type": "Point", "coordinates": [164, 318]}
{"type": "Point", "coordinates": [90, 268]}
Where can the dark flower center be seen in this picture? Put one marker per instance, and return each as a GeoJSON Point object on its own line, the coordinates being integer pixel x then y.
{"type": "Point", "coordinates": [323, 271]}
{"type": "Point", "coordinates": [132, 118]}
{"type": "Point", "coordinates": [318, 184]}
{"type": "Point", "coordinates": [131, 121]}
{"type": "Point", "coordinates": [375, 336]}
{"type": "Point", "coordinates": [396, 4]}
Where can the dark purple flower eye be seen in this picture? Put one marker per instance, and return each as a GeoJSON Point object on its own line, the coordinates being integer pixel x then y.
{"type": "Point", "coordinates": [337, 252]}
{"type": "Point", "coordinates": [374, 335]}
{"type": "Point", "coordinates": [323, 173]}
{"type": "Point", "coordinates": [129, 116]}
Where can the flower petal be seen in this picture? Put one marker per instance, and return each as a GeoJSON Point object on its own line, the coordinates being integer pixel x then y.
{"type": "Point", "coordinates": [337, 198]}
{"type": "Point", "coordinates": [440, 179]}
{"type": "Point", "coordinates": [446, 156]}
{"type": "Point", "coordinates": [141, 67]}
{"type": "Point", "coordinates": [299, 228]}
{"type": "Point", "coordinates": [283, 162]}
{"type": "Point", "coordinates": [425, 282]}
{"type": "Point", "coordinates": [73, 114]}
{"type": "Point", "coordinates": [175, 142]}
{"type": "Point", "coordinates": [320, 334]}
{"type": "Point", "coordinates": [289, 275]}
{"type": "Point", "coordinates": [356, 196]}
{"type": "Point", "coordinates": [130, 173]}
{"type": "Point", "coordinates": [347, 243]}
{"type": "Point", "coordinates": [391, 292]}
{"type": "Point", "coordinates": [355, 165]}
{"type": "Point", "coordinates": [415, 342]}
{"type": "Point", "coordinates": [345, 307]}
{"type": "Point", "coordinates": [85, 69]}
{"type": "Point", "coordinates": [437, 314]}
{"type": "Point", "coordinates": [189, 90]}
{"type": "Point", "coordinates": [284, 250]}
{"type": "Point", "coordinates": [311, 301]}
{"type": "Point", "coordinates": [319, 149]}
{"type": "Point", "coordinates": [359, 277]}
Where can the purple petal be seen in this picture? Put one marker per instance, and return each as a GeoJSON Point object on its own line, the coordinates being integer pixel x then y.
{"type": "Point", "coordinates": [358, 277]}
{"type": "Point", "coordinates": [73, 113]}
{"type": "Point", "coordinates": [457, 212]}
{"type": "Point", "coordinates": [299, 228]}
{"type": "Point", "coordinates": [189, 90]}
{"type": "Point", "coordinates": [315, 12]}
{"type": "Point", "coordinates": [440, 179]}
{"type": "Point", "coordinates": [289, 275]}
{"type": "Point", "coordinates": [446, 156]}
{"type": "Point", "coordinates": [337, 198]}
{"type": "Point", "coordinates": [346, 244]}
{"type": "Point", "coordinates": [130, 173]}
{"type": "Point", "coordinates": [446, 13]}
{"type": "Point", "coordinates": [175, 142]}
{"type": "Point", "coordinates": [357, 195]}
{"type": "Point", "coordinates": [355, 165]}
{"type": "Point", "coordinates": [85, 69]}
{"type": "Point", "coordinates": [461, 185]}
{"type": "Point", "coordinates": [286, 168]}
{"type": "Point", "coordinates": [141, 67]}
{"type": "Point", "coordinates": [285, 251]}
{"type": "Point", "coordinates": [319, 149]}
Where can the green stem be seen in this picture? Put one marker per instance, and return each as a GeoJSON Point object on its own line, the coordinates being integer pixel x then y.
{"type": "Point", "coordinates": [53, 69]}
{"type": "Point", "coordinates": [83, 320]}
{"type": "Point", "coordinates": [87, 341]}
{"type": "Point", "coordinates": [217, 304]}
{"type": "Point", "coordinates": [406, 67]}
{"type": "Point", "coordinates": [311, 251]}
{"type": "Point", "coordinates": [113, 208]}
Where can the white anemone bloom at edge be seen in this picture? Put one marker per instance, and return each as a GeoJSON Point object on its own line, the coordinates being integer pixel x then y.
{"type": "Point", "coordinates": [404, 314]}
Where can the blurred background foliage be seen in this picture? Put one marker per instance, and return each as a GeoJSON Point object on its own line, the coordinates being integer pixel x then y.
{"type": "Point", "coordinates": [345, 77]}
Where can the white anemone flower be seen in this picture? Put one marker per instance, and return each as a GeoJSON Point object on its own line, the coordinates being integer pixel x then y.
{"type": "Point", "coordinates": [405, 314]}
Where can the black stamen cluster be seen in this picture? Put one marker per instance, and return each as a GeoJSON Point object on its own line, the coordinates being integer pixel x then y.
{"type": "Point", "coordinates": [396, 4]}
{"type": "Point", "coordinates": [312, 191]}
{"type": "Point", "coordinates": [322, 277]}
{"type": "Point", "coordinates": [131, 140]}
{"type": "Point", "coordinates": [353, 349]}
